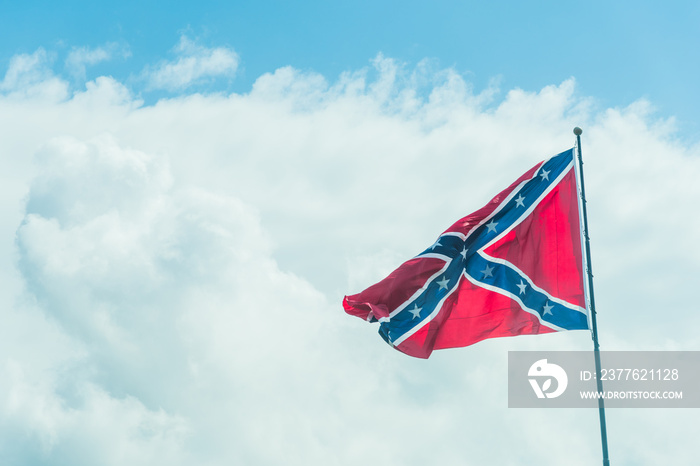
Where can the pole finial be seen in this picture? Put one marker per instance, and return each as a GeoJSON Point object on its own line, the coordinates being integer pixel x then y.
{"type": "Point", "coordinates": [578, 131]}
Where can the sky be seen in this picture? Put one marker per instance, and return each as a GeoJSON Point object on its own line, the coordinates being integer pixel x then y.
{"type": "Point", "coordinates": [189, 191]}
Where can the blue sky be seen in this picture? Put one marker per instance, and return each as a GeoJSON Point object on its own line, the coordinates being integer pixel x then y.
{"type": "Point", "coordinates": [616, 51]}
{"type": "Point", "coordinates": [189, 191]}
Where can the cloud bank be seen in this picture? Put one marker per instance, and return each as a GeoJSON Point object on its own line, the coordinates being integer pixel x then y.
{"type": "Point", "coordinates": [175, 270]}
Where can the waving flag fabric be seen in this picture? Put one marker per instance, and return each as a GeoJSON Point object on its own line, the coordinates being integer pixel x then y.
{"type": "Point", "coordinates": [513, 267]}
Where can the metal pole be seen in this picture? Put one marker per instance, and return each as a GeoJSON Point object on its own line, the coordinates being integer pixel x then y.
{"type": "Point", "coordinates": [594, 325]}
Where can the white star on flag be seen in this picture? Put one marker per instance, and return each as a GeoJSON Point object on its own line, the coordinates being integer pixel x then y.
{"type": "Point", "coordinates": [415, 311]}
{"type": "Point", "coordinates": [548, 309]}
{"type": "Point", "coordinates": [492, 226]}
{"type": "Point", "coordinates": [487, 271]}
{"type": "Point", "coordinates": [443, 283]}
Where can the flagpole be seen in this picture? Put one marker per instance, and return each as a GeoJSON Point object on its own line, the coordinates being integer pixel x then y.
{"type": "Point", "coordinates": [589, 270]}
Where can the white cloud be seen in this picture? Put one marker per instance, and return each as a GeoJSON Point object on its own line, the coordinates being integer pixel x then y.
{"type": "Point", "coordinates": [81, 435]}
{"type": "Point", "coordinates": [30, 76]}
{"type": "Point", "coordinates": [182, 267]}
{"type": "Point", "coordinates": [80, 57]}
{"type": "Point", "coordinates": [194, 64]}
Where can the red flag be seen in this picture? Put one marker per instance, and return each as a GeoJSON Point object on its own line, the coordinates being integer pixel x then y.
{"type": "Point", "coordinates": [513, 267]}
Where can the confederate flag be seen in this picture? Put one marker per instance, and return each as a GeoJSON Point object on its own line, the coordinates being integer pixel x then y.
{"type": "Point", "coordinates": [513, 267]}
